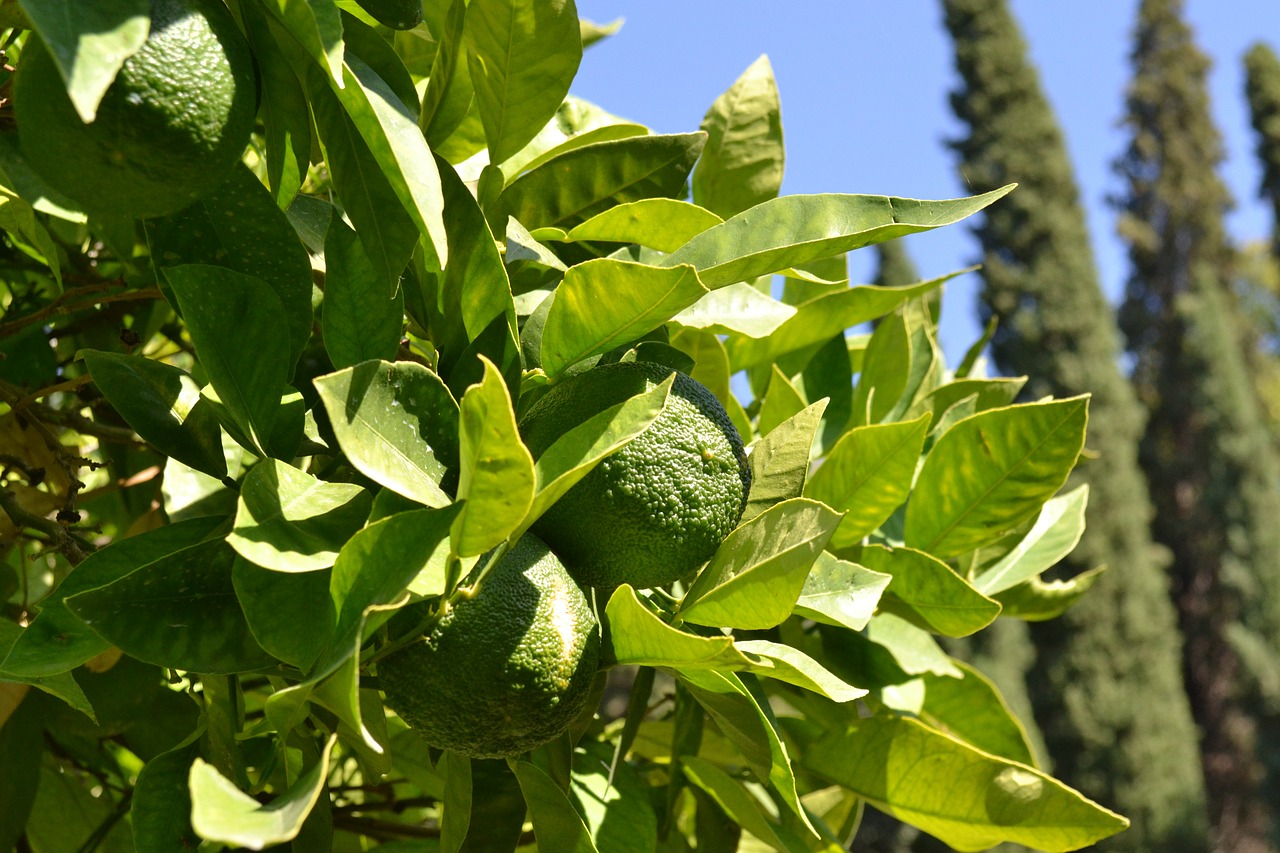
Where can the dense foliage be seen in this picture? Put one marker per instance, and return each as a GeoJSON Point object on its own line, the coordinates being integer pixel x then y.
{"type": "Point", "coordinates": [245, 442]}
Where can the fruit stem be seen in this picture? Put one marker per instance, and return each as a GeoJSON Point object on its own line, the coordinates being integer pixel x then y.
{"type": "Point", "coordinates": [471, 590]}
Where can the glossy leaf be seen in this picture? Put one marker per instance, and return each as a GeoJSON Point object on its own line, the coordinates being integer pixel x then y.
{"type": "Point", "coordinates": [603, 303]}
{"type": "Point", "coordinates": [180, 611]}
{"type": "Point", "coordinates": [573, 455]}
{"type": "Point", "coordinates": [392, 135]}
{"type": "Point", "coordinates": [742, 163]}
{"type": "Point", "coordinates": [240, 227]}
{"type": "Point", "coordinates": [285, 117]}
{"type": "Point", "coordinates": [838, 592]}
{"type": "Point", "coordinates": [289, 614]}
{"type": "Point", "coordinates": [895, 762]}
{"type": "Point", "coordinates": [794, 230]}
{"type": "Point", "coordinates": [746, 722]}
{"type": "Point", "coordinates": [784, 663]}
{"type": "Point", "coordinates": [613, 801]}
{"type": "Point", "coordinates": [913, 648]}
{"type": "Point", "coordinates": [288, 521]}
{"type": "Point", "coordinates": [824, 317]}
{"type": "Point", "coordinates": [638, 637]}
{"type": "Point", "coordinates": [737, 802]}
{"type": "Point", "coordinates": [992, 471]}
{"type": "Point", "coordinates": [57, 640]}
{"type": "Point", "coordinates": [664, 224]}
{"type": "Point", "coordinates": [991, 394]}
{"type": "Point", "coordinates": [736, 309]}
{"type": "Point", "coordinates": [756, 576]}
{"type": "Point", "coordinates": [1055, 534]}
{"type": "Point", "coordinates": [222, 812]}
{"type": "Point", "coordinates": [928, 593]}
{"type": "Point", "coordinates": [578, 184]}
{"type": "Point", "coordinates": [89, 43]}
{"type": "Point", "coordinates": [61, 685]}
{"type": "Point", "coordinates": [161, 810]}
{"type": "Point", "coordinates": [522, 56]}
{"type": "Point", "coordinates": [972, 709]}
{"type": "Point", "coordinates": [780, 461]}
{"type": "Point", "coordinates": [1036, 600]}
{"type": "Point", "coordinates": [21, 753]}
{"type": "Point", "coordinates": [497, 481]}
{"type": "Point", "coordinates": [162, 405]}
{"type": "Point", "coordinates": [361, 321]}
{"type": "Point", "coordinates": [449, 93]}
{"type": "Point", "coordinates": [555, 822]}
{"type": "Point", "coordinates": [781, 401]}
{"type": "Point", "coordinates": [387, 231]}
{"type": "Point", "coordinates": [223, 310]}
{"type": "Point", "coordinates": [711, 368]}
{"type": "Point", "coordinates": [316, 27]}
{"type": "Point", "coordinates": [867, 475]}
{"type": "Point", "coordinates": [397, 423]}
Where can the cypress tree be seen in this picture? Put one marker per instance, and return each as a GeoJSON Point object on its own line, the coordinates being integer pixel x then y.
{"type": "Point", "coordinates": [1210, 465]}
{"type": "Point", "coordinates": [1262, 86]}
{"type": "Point", "coordinates": [894, 265]}
{"type": "Point", "coordinates": [1106, 686]}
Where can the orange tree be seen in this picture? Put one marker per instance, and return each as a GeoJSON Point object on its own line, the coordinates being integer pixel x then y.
{"type": "Point", "coordinates": [260, 440]}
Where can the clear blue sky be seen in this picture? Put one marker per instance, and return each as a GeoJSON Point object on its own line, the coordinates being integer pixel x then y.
{"type": "Point", "coordinates": [864, 100]}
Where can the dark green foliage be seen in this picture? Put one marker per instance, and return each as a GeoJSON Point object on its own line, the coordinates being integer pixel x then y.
{"type": "Point", "coordinates": [506, 671]}
{"type": "Point", "coordinates": [1104, 666]}
{"type": "Point", "coordinates": [1210, 466]}
{"type": "Point", "coordinates": [1262, 67]}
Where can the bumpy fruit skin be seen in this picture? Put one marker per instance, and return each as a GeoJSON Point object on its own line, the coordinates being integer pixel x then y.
{"type": "Point", "coordinates": [658, 508]}
{"type": "Point", "coordinates": [169, 128]}
{"type": "Point", "coordinates": [506, 671]}
{"type": "Point", "coordinates": [396, 14]}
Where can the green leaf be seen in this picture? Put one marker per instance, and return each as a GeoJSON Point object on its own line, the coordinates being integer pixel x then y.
{"type": "Point", "coordinates": [387, 231]}
{"type": "Point", "coordinates": [913, 649]}
{"type": "Point", "coordinates": [316, 27]}
{"type": "Point", "coordinates": [991, 394]}
{"type": "Point", "coordinates": [223, 311]}
{"type": "Point", "coordinates": [664, 224]}
{"type": "Point", "coordinates": [497, 481]}
{"type": "Point", "coordinates": [784, 663]}
{"type": "Point", "coordinates": [867, 475]}
{"type": "Point", "coordinates": [572, 456]}
{"type": "Point", "coordinates": [1055, 534]}
{"type": "Point", "coordinates": [21, 751]}
{"type": "Point", "coordinates": [990, 472]}
{"type": "Point", "coordinates": [18, 217]}
{"type": "Point", "coordinates": [290, 615]}
{"type": "Point", "coordinates": [822, 318]}
{"type": "Point", "coordinates": [749, 724]}
{"type": "Point", "coordinates": [361, 322]}
{"type": "Point", "coordinates": [576, 185]}
{"type": "Point", "coordinates": [240, 227]}
{"type": "Point", "coordinates": [285, 117]}
{"type": "Point", "coordinates": [1036, 600]}
{"type": "Point", "coordinates": [522, 55]}
{"type": "Point", "coordinates": [449, 93]}
{"type": "Point", "coordinates": [640, 638]}
{"type": "Point", "coordinates": [756, 576]}
{"type": "Point", "coordinates": [484, 808]}
{"type": "Point", "coordinates": [58, 641]}
{"type": "Point", "coordinates": [896, 762]}
{"type": "Point", "coordinates": [603, 303]}
{"type": "Point", "coordinates": [737, 802]}
{"type": "Point", "coordinates": [397, 423]}
{"type": "Point", "coordinates": [374, 570]}
{"type": "Point", "coordinates": [711, 368]}
{"type": "Point", "coordinates": [161, 810]}
{"type": "Point", "coordinates": [613, 800]}
{"type": "Point", "coordinates": [222, 812]}
{"type": "Point", "coordinates": [736, 309]}
{"type": "Point", "coordinates": [61, 685]}
{"type": "Point", "coordinates": [838, 592]}
{"type": "Point", "coordinates": [780, 461]}
{"type": "Point", "coordinates": [972, 709]}
{"type": "Point", "coordinates": [793, 230]}
{"type": "Point", "coordinates": [89, 43]}
{"type": "Point", "coordinates": [781, 401]}
{"type": "Point", "coordinates": [742, 163]}
{"type": "Point", "coordinates": [162, 404]}
{"type": "Point", "coordinates": [180, 611]}
{"type": "Point", "coordinates": [555, 822]}
{"type": "Point", "coordinates": [288, 521]}
{"type": "Point", "coordinates": [392, 135]}
{"type": "Point", "coordinates": [928, 593]}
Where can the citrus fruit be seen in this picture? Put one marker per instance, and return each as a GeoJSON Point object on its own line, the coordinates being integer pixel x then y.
{"type": "Point", "coordinates": [503, 672]}
{"type": "Point", "coordinates": [169, 128]}
{"type": "Point", "coordinates": [661, 505]}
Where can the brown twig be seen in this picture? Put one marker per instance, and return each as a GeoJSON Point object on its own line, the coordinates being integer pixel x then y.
{"type": "Point", "coordinates": [65, 542]}
{"type": "Point", "coordinates": [70, 385]}
{"type": "Point", "coordinates": [64, 305]}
